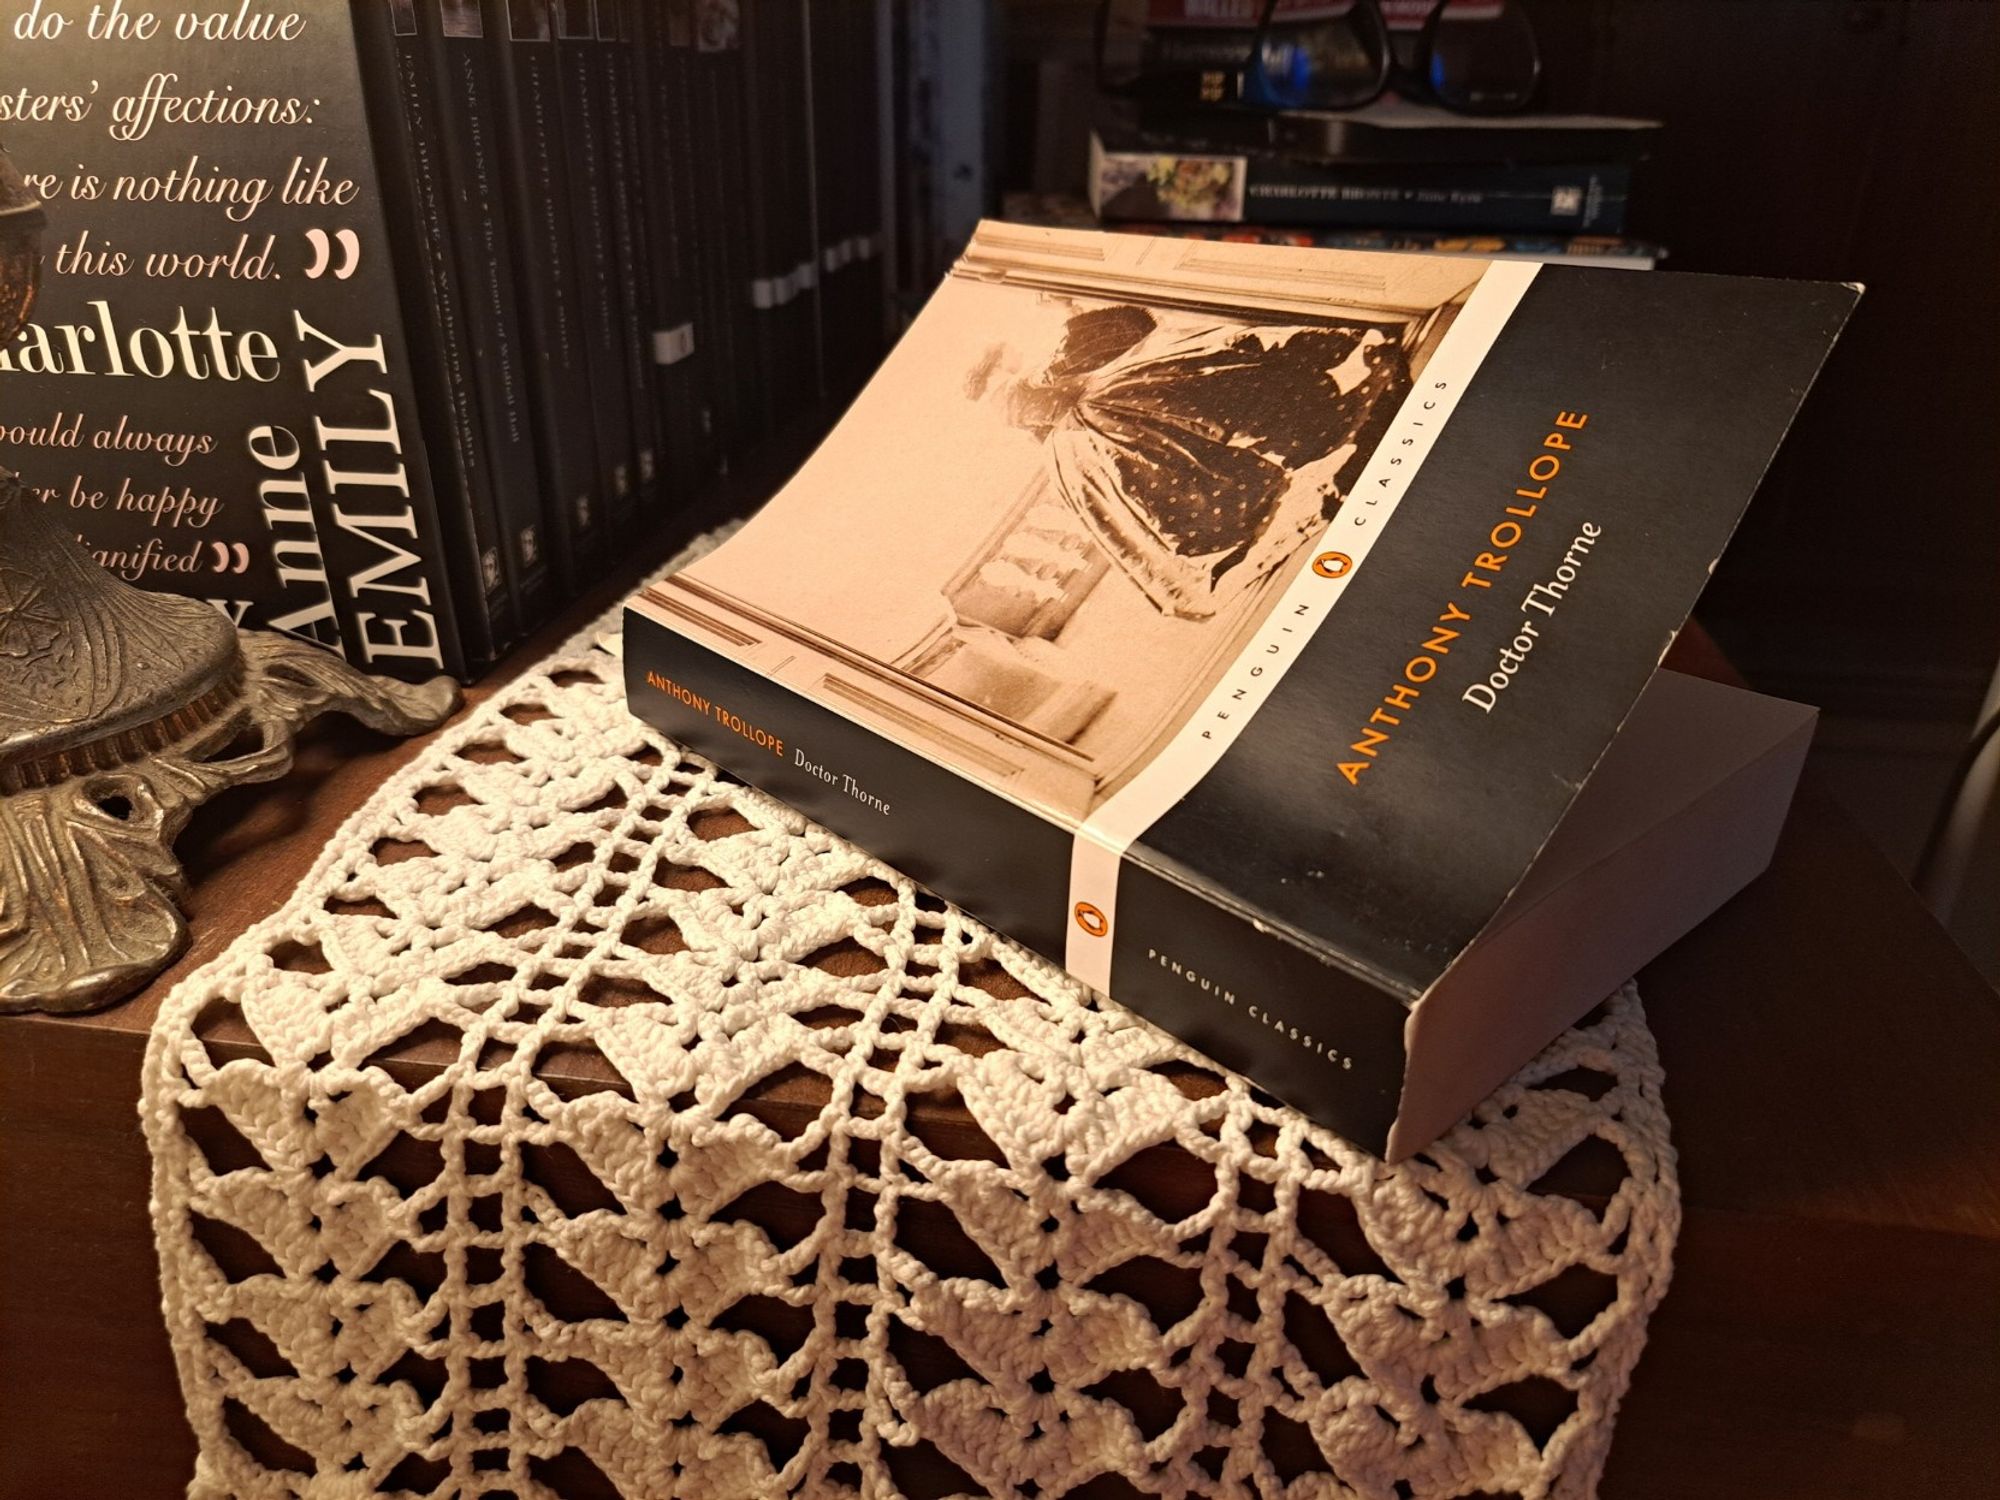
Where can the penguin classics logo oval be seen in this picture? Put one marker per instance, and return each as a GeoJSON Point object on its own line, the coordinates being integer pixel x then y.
{"type": "Point", "coordinates": [1333, 564]}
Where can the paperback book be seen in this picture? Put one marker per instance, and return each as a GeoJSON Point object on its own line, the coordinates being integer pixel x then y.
{"type": "Point", "coordinates": [1269, 636]}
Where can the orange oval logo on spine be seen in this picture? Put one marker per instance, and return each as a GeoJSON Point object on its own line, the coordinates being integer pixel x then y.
{"type": "Point", "coordinates": [1091, 920]}
{"type": "Point", "coordinates": [1333, 564]}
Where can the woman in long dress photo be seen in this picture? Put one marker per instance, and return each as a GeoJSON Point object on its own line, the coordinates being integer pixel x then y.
{"type": "Point", "coordinates": [1202, 458]}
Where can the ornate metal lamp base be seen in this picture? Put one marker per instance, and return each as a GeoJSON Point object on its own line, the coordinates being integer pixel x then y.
{"type": "Point", "coordinates": [120, 713]}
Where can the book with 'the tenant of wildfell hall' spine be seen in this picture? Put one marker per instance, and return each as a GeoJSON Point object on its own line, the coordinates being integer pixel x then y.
{"type": "Point", "coordinates": [1271, 637]}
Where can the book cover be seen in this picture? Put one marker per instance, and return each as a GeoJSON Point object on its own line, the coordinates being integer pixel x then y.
{"type": "Point", "coordinates": [1131, 179]}
{"type": "Point", "coordinates": [1234, 624]}
{"type": "Point", "coordinates": [217, 391]}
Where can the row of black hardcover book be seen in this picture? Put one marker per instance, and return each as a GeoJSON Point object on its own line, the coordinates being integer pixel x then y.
{"type": "Point", "coordinates": [634, 240]}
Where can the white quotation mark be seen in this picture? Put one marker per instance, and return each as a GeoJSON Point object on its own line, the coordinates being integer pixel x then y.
{"type": "Point", "coordinates": [350, 253]}
{"type": "Point", "coordinates": [225, 553]}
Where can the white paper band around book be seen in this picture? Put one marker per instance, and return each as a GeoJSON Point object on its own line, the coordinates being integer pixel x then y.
{"type": "Point", "coordinates": [775, 291]}
{"type": "Point", "coordinates": [672, 345]}
{"type": "Point", "coordinates": [843, 253]}
{"type": "Point", "coordinates": [1318, 582]}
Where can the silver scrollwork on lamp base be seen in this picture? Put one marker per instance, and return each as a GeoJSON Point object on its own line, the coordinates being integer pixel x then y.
{"type": "Point", "coordinates": [121, 711]}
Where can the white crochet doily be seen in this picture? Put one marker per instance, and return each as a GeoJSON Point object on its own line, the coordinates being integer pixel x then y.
{"type": "Point", "coordinates": [854, 1197]}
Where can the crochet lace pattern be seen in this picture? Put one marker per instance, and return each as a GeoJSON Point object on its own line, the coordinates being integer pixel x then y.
{"type": "Point", "coordinates": [588, 1124]}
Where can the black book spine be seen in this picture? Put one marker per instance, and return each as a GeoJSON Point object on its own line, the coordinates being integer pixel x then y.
{"type": "Point", "coordinates": [463, 521]}
{"type": "Point", "coordinates": [677, 352]}
{"type": "Point", "coordinates": [585, 125]}
{"type": "Point", "coordinates": [723, 219]}
{"type": "Point", "coordinates": [744, 210]}
{"type": "Point", "coordinates": [787, 215]}
{"type": "Point", "coordinates": [631, 247]}
{"type": "Point", "coordinates": [807, 358]}
{"type": "Point", "coordinates": [1261, 187]}
{"type": "Point", "coordinates": [1194, 66]}
{"type": "Point", "coordinates": [868, 246]}
{"type": "Point", "coordinates": [771, 286]}
{"type": "Point", "coordinates": [1524, 197]}
{"type": "Point", "coordinates": [453, 32]}
{"type": "Point", "coordinates": [714, 337]}
{"type": "Point", "coordinates": [521, 43]}
{"type": "Point", "coordinates": [836, 88]}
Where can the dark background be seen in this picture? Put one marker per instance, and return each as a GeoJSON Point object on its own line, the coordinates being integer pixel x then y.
{"type": "Point", "coordinates": [1814, 138]}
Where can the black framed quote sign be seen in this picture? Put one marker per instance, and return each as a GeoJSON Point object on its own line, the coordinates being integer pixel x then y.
{"type": "Point", "coordinates": [218, 390]}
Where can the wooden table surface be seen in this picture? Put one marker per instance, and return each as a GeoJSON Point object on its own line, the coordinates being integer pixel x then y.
{"type": "Point", "coordinates": [1833, 1327]}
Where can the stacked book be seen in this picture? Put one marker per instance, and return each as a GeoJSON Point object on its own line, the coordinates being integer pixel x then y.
{"type": "Point", "coordinates": [1393, 175]}
{"type": "Point", "coordinates": [393, 325]}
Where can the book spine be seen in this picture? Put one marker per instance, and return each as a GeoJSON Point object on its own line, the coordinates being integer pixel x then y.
{"type": "Point", "coordinates": [861, 197]}
{"type": "Point", "coordinates": [1501, 198]}
{"type": "Point", "coordinates": [677, 351]}
{"type": "Point", "coordinates": [818, 44]}
{"type": "Point", "coordinates": [631, 250]}
{"type": "Point", "coordinates": [1582, 249]}
{"type": "Point", "coordinates": [826, 184]}
{"type": "Point", "coordinates": [453, 32]}
{"type": "Point", "coordinates": [772, 287]}
{"type": "Point", "coordinates": [696, 176]}
{"type": "Point", "coordinates": [1343, 1061]}
{"type": "Point", "coordinates": [1194, 65]}
{"type": "Point", "coordinates": [462, 520]}
{"type": "Point", "coordinates": [846, 190]}
{"type": "Point", "coordinates": [723, 171]}
{"type": "Point", "coordinates": [521, 43]}
{"type": "Point", "coordinates": [1504, 199]}
{"type": "Point", "coordinates": [739, 233]}
{"type": "Point", "coordinates": [873, 124]}
{"type": "Point", "coordinates": [806, 362]}
{"type": "Point", "coordinates": [584, 125]}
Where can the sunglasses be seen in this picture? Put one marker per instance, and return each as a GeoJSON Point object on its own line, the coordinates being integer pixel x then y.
{"type": "Point", "coordinates": [1473, 57]}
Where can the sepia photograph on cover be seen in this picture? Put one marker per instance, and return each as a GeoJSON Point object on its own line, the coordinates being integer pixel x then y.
{"type": "Point", "coordinates": [1069, 498]}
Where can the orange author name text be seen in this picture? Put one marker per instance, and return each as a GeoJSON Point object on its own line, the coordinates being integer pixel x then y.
{"type": "Point", "coordinates": [733, 722]}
